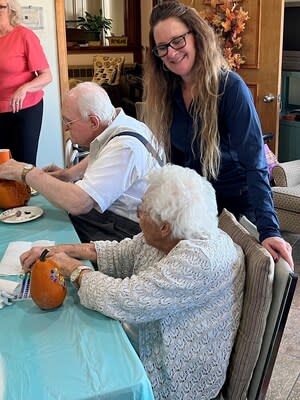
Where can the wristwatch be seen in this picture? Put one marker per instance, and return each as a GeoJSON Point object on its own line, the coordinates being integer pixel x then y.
{"type": "Point", "coordinates": [75, 275]}
{"type": "Point", "coordinates": [26, 169]}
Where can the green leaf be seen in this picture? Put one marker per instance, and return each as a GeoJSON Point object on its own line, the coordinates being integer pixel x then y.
{"type": "Point", "coordinates": [95, 23]}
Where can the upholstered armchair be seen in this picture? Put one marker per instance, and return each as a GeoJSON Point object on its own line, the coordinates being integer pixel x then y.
{"type": "Point", "coordinates": [286, 193]}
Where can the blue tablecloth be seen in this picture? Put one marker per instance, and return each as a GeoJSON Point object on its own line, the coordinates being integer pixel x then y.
{"type": "Point", "coordinates": [70, 353]}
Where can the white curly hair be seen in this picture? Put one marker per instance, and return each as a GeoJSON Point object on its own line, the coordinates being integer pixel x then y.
{"type": "Point", "coordinates": [183, 198]}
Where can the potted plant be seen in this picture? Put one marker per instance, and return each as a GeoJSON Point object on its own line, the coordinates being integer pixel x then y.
{"type": "Point", "coordinates": [95, 23]}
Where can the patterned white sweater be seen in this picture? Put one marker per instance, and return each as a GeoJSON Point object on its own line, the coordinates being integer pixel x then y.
{"type": "Point", "coordinates": [186, 305]}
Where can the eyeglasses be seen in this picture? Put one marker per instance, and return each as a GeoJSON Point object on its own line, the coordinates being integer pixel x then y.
{"type": "Point", "coordinates": [177, 43]}
{"type": "Point", "coordinates": [67, 124]}
{"type": "Point", "coordinates": [3, 7]}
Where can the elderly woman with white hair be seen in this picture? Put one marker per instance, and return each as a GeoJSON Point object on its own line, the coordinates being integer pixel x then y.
{"type": "Point", "coordinates": [178, 285]}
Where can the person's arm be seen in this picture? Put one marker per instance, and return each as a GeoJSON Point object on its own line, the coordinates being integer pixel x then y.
{"type": "Point", "coordinates": [83, 251]}
{"type": "Point", "coordinates": [240, 125]}
{"type": "Point", "coordinates": [71, 174]}
{"type": "Point", "coordinates": [65, 195]}
{"type": "Point", "coordinates": [161, 287]}
{"type": "Point", "coordinates": [43, 77]}
{"type": "Point", "coordinates": [113, 258]}
{"type": "Point", "coordinates": [246, 144]}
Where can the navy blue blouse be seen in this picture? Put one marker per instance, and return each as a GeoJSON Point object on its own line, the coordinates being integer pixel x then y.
{"type": "Point", "coordinates": [243, 162]}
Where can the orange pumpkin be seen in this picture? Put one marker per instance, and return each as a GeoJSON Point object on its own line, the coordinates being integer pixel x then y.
{"type": "Point", "coordinates": [13, 193]}
{"type": "Point", "coordinates": [48, 287]}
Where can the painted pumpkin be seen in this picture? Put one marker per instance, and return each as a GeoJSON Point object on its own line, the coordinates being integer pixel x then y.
{"type": "Point", "coordinates": [48, 287]}
{"type": "Point", "coordinates": [13, 193]}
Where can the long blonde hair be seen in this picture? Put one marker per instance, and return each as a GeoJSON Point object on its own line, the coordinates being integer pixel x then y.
{"type": "Point", "coordinates": [15, 12]}
{"type": "Point", "coordinates": [159, 86]}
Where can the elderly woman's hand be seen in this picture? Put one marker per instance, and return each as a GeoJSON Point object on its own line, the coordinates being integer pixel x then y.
{"type": "Point", "coordinates": [28, 258]}
{"type": "Point", "coordinates": [65, 263]}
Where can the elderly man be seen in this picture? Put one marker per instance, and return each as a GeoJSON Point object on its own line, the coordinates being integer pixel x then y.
{"type": "Point", "coordinates": [178, 285]}
{"type": "Point", "coordinates": [101, 193]}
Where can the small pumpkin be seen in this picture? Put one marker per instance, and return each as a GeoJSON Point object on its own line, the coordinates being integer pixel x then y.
{"type": "Point", "coordinates": [13, 193]}
{"type": "Point", "coordinates": [48, 286]}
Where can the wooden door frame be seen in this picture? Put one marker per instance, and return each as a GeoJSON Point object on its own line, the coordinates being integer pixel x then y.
{"type": "Point", "coordinates": [61, 41]}
{"type": "Point", "coordinates": [132, 22]}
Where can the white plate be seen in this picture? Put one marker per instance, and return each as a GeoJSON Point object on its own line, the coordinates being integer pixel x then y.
{"type": "Point", "coordinates": [20, 214]}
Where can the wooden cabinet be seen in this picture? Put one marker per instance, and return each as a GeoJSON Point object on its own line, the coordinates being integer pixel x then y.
{"type": "Point", "coordinates": [289, 140]}
{"type": "Point", "coordinates": [289, 126]}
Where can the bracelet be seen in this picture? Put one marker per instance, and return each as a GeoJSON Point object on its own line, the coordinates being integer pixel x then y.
{"type": "Point", "coordinates": [75, 275]}
{"type": "Point", "coordinates": [27, 168]}
{"type": "Point", "coordinates": [82, 272]}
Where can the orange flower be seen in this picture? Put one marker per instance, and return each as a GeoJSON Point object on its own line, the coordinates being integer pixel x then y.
{"type": "Point", "coordinates": [229, 21]}
{"type": "Point", "coordinates": [227, 25]}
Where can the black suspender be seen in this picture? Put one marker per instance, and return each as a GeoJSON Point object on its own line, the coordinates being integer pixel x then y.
{"type": "Point", "coordinates": [145, 142]}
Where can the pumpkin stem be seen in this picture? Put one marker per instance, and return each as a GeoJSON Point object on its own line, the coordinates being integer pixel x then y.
{"type": "Point", "coordinates": [44, 254]}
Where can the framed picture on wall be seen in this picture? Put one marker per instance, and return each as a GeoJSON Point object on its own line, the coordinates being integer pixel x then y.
{"type": "Point", "coordinates": [32, 17]}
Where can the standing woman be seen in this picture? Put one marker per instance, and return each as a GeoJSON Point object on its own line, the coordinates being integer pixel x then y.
{"type": "Point", "coordinates": [205, 117]}
{"type": "Point", "coordinates": [24, 71]}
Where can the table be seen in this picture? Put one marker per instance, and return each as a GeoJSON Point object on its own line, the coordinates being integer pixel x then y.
{"type": "Point", "coordinates": [70, 353]}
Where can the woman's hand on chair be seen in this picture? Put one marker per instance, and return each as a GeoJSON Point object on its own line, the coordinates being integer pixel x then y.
{"type": "Point", "coordinates": [278, 247]}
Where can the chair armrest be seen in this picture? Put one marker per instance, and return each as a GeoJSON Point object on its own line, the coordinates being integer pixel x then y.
{"type": "Point", "coordinates": [287, 174]}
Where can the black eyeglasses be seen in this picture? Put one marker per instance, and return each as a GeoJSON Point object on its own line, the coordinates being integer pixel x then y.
{"type": "Point", "coordinates": [177, 43]}
{"type": "Point", "coordinates": [3, 7]}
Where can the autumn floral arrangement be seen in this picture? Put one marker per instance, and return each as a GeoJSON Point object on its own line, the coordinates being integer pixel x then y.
{"type": "Point", "coordinates": [228, 20]}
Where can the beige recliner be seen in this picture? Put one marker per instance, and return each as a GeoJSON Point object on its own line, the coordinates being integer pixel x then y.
{"type": "Point", "coordinates": [286, 194]}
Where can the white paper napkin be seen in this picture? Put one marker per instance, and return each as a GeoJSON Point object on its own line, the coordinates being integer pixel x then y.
{"type": "Point", "coordinates": [8, 286]}
{"type": "Point", "coordinates": [10, 263]}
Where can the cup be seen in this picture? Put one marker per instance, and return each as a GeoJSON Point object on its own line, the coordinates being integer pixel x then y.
{"type": "Point", "coordinates": [4, 155]}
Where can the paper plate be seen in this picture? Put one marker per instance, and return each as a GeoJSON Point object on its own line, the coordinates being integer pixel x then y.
{"type": "Point", "coordinates": [20, 214]}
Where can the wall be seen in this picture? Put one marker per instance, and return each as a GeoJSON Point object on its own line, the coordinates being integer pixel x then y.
{"type": "Point", "coordinates": [51, 140]}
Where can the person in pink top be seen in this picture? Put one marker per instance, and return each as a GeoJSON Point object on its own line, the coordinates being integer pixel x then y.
{"type": "Point", "coordinates": [24, 72]}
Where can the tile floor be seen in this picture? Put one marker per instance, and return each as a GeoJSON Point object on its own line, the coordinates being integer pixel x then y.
{"type": "Point", "coordinates": [285, 380]}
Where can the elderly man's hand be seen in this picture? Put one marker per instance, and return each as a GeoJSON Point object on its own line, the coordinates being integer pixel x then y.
{"type": "Point", "coordinates": [11, 169]}
{"type": "Point", "coordinates": [51, 168]}
{"type": "Point", "coordinates": [278, 247]}
{"type": "Point", "coordinates": [62, 174]}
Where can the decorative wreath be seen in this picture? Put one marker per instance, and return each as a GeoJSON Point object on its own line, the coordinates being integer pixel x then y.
{"type": "Point", "coordinates": [228, 19]}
